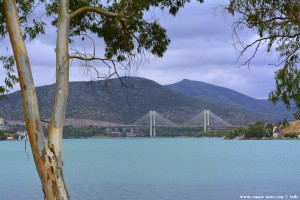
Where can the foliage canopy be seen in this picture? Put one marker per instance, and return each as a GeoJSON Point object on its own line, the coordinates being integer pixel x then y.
{"type": "Point", "coordinates": [277, 23]}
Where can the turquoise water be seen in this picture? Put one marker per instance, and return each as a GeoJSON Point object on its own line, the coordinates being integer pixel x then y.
{"type": "Point", "coordinates": [160, 169]}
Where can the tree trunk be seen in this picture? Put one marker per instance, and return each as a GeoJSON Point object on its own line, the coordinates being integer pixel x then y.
{"type": "Point", "coordinates": [48, 158]}
{"type": "Point", "coordinates": [62, 87]}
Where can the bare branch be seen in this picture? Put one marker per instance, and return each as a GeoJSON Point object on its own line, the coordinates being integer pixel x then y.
{"type": "Point", "coordinates": [89, 59]}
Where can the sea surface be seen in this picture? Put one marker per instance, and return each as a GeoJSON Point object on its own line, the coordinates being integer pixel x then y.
{"type": "Point", "coordinates": [161, 169]}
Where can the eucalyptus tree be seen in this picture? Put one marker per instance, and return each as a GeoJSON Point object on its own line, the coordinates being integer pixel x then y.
{"type": "Point", "coordinates": [126, 33]}
{"type": "Point", "coordinates": [277, 24]}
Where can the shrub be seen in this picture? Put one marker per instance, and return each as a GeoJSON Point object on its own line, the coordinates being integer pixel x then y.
{"type": "Point", "coordinates": [233, 133]}
{"type": "Point", "coordinates": [291, 135]}
{"type": "Point", "coordinates": [256, 130]}
{"type": "Point", "coordinates": [2, 136]}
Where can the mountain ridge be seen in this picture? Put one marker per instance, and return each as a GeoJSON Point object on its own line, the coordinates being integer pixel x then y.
{"type": "Point", "coordinates": [200, 90]}
{"type": "Point", "coordinates": [91, 100]}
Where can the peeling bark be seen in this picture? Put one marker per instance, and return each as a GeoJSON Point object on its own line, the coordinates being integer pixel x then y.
{"type": "Point", "coordinates": [48, 158]}
{"type": "Point", "coordinates": [30, 105]}
{"type": "Point", "coordinates": [62, 86]}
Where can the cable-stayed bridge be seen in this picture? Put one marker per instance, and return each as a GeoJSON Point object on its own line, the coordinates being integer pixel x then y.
{"type": "Point", "coordinates": [153, 119]}
{"type": "Point", "coordinates": [206, 119]}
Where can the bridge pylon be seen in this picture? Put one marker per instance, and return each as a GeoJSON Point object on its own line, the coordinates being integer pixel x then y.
{"type": "Point", "coordinates": [152, 123]}
{"type": "Point", "coordinates": [208, 120]}
{"type": "Point", "coordinates": [152, 120]}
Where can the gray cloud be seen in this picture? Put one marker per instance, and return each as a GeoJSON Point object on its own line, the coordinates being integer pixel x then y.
{"type": "Point", "coordinates": [41, 53]}
{"type": "Point", "coordinates": [201, 49]}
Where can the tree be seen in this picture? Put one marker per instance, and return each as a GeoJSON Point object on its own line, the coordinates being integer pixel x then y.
{"type": "Point", "coordinates": [269, 130]}
{"type": "Point", "coordinates": [235, 133]}
{"type": "Point", "coordinates": [2, 135]}
{"type": "Point", "coordinates": [285, 123]}
{"type": "Point", "coordinates": [277, 24]}
{"type": "Point", "coordinates": [256, 130]}
{"type": "Point", "coordinates": [126, 34]}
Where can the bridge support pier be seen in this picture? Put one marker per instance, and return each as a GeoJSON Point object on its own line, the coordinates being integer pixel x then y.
{"type": "Point", "coordinates": [152, 124]}
{"type": "Point", "coordinates": [206, 120]}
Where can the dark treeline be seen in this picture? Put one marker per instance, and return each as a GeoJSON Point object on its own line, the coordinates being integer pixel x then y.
{"type": "Point", "coordinates": [188, 131]}
{"type": "Point", "coordinates": [256, 130]}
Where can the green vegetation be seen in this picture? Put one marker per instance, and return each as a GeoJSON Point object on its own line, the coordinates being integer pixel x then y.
{"type": "Point", "coordinates": [176, 131]}
{"type": "Point", "coordinates": [283, 124]}
{"type": "Point", "coordinates": [291, 135]}
{"type": "Point", "coordinates": [259, 130]}
{"type": "Point", "coordinates": [235, 133]}
{"type": "Point", "coordinates": [269, 129]}
{"type": "Point", "coordinates": [256, 130]}
{"type": "Point", "coordinates": [83, 132]}
{"type": "Point", "coordinates": [4, 133]}
{"type": "Point", "coordinates": [2, 136]}
{"type": "Point", "coordinates": [277, 26]}
{"type": "Point", "coordinates": [187, 131]}
{"type": "Point", "coordinates": [210, 133]}
{"type": "Point", "coordinates": [183, 131]}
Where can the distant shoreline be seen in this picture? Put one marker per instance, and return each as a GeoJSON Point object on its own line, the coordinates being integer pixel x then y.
{"type": "Point", "coordinates": [107, 137]}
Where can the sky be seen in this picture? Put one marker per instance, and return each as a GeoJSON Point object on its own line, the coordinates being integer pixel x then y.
{"type": "Point", "coordinates": [201, 49]}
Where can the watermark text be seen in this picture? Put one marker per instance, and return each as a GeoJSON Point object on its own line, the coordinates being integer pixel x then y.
{"type": "Point", "coordinates": [270, 197]}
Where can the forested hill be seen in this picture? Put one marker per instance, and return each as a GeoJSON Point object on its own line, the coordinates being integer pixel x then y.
{"type": "Point", "coordinates": [216, 94]}
{"type": "Point", "coordinates": [126, 103]}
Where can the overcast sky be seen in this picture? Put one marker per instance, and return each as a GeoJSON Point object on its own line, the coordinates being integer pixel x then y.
{"type": "Point", "coordinates": [201, 49]}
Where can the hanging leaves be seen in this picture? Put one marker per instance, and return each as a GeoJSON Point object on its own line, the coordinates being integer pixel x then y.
{"type": "Point", "coordinates": [277, 23]}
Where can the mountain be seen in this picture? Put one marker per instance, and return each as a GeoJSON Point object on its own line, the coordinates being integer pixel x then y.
{"type": "Point", "coordinates": [128, 101]}
{"type": "Point", "coordinates": [221, 95]}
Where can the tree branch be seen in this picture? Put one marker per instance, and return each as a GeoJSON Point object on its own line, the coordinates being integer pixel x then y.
{"type": "Point", "coordinates": [94, 9]}
{"type": "Point", "coordinates": [89, 59]}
